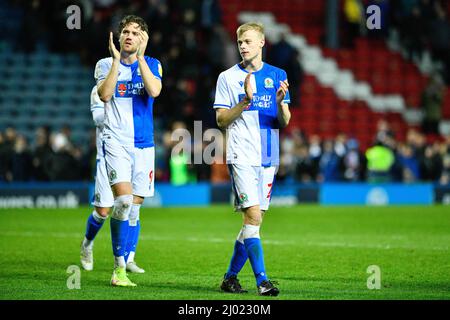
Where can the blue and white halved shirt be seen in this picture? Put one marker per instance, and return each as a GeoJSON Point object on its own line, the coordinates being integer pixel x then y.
{"type": "Point", "coordinates": [253, 138]}
{"type": "Point", "coordinates": [129, 113]}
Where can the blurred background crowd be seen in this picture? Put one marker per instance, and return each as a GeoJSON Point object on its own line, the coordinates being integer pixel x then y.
{"type": "Point", "coordinates": [194, 41]}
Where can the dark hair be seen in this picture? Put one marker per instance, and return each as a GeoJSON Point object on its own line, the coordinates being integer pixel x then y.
{"type": "Point", "coordinates": [130, 19]}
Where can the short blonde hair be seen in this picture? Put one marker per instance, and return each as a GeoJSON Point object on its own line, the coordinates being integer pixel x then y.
{"type": "Point", "coordinates": [258, 27]}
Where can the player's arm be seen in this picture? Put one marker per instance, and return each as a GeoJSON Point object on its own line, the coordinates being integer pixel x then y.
{"type": "Point", "coordinates": [225, 117]}
{"type": "Point", "coordinates": [98, 115]}
{"type": "Point", "coordinates": [152, 84]}
{"type": "Point", "coordinates": [107, 86]}
{"type": "Point", "coordinates": [97, 109]}
{"type": "Point", "coordinates": [284, 114]}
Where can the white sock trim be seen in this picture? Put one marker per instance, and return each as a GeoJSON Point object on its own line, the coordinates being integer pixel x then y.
{"type": "Point", "coordinates": [240, 236]}
{"type": "Point", "coordinates": [130, 257]}
{"type": "Point", "coordinates": [134, 214]}
{"type": "Point", "coordinates": [119, 261]}
{"type": "Point", "coordinates": [122, 207]}
{"type": "Point", "coordinates": [88, 243]}
{"type": "Point", "coordinates": [97, 217]}
{"type": "Point", "coordinates": [250, 231]}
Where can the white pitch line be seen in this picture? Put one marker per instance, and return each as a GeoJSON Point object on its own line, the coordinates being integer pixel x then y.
{"type": "Point", "coordinates": [325, 244]}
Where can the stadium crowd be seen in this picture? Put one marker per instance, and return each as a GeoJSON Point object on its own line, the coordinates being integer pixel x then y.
{"type": "Point", "coordinates": [422, 25]}
{"type": "Point", "coordinates": [193, 47]}
{"type": "Point", "coordinates": [52, 156]}
{"type": "Point", "coordinates": [311, 159]}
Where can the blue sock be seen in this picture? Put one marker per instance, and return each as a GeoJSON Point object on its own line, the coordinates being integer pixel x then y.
{"type": "Point", "coordinates": [94, 224]}
{"type": "Point", "coordinates": [255, 254]}
{"type": "Point", "coordinates": [132, 240]}
{"type": "Point", "coordinates": [119, 233]}
{"type": "Point", "coordinates": [237, 260]}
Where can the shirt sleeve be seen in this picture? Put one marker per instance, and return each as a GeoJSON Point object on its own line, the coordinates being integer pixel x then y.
{"type": "Point", "coordinates": [222, 99]}
{"type": "Point", "coordinates": [97, 108]}
{"type": "Point", "coordinates": [155, 67]}
{"type": "Point", "coordinates": [101, 70]}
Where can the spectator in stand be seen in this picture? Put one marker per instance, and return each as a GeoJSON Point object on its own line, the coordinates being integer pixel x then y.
{"type": "Point", "coordinates": [416, 140]}
{"type": "Point", "coordinates": [64, 165]}
{"type": "Point", "coordinates": [210, 13]}
{"type": "Point", "coordinates": [431, 164]}
{"type": "Point", "coordinates": [42, 154]}
{"type": "Point", "coordinates": [353, 20]}
{"type": "Point", "coordinates": [409, 163]}
{"type": "Point", "coordinates": [439, 35]}
{"type": "Point", "coordinates": [315, 152]}
{"type": "Point", "coordinates": [445, 176]}
{"type": "Point", "coordinates": [380, 160]}
{"type": "Point", "coordinates": [353, 162]}
{"type": "Point", "coordinates": [286, 170]}
{"type": "Point", "coordinates": [7, 151]}
{"type": "Point", "coordinates": [179, 154]}
{"type": "Point", "coordinates": [412, 33]}
{"type": "Point", "coordinates": [20, 160]}
{"type": "Point", "coordinates": [3, 158]}
{"type": "Point", "coordinates": [340, 145]}
{"type": "Point", "coordinates": [295, 74]}
{"type": "Point", "coordinates": [432, 99]}
{"type": "Point", "coordinates": [330, 163]}
{"type": "Point", "coordinates": [284, 55]}
{"type": "Point", "coordinates": [304, 165]}
{"type": "Point", "coordinates": [384, 134]}
{"type": "Point", "coordinates": [281, 52]}
{"type": "Point", "coordinates": [385, 8]}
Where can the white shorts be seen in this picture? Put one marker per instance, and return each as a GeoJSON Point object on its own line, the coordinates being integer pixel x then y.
{"type": "Point", "coordinates": [103, 196]}
{"type": "Point", "coordinates": [252, 185]}
{"type": "Point", "coordinates": [130, 164]}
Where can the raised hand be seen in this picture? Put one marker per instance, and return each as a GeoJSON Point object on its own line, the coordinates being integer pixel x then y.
{"type": "Point", "coordinates": [115, 54]}
{"type": "Point", "coordinates": [143, 40]}
{"type": "Point", "coordinates": [248, 87]}
{"type": "Point", "coordinates": [281, 92]}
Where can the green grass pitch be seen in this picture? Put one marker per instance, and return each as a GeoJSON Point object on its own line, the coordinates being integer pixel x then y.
{"type": "Point", "coordinates": [314, 252]}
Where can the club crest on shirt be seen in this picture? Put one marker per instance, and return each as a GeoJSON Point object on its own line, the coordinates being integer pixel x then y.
{"type": "Point", "coordinates": [243, 197]}
{"type": "Point", "coordinates": [122, 89]}
{"type": "Point", "coordinates": [112, 175]}
{"type": "Point", "coordinates": [268, 83]}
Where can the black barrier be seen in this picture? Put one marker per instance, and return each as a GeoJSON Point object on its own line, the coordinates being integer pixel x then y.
{"type": "Point", "coordinates": [221, 193]}
{"type": "Point", "coordinates": [71, 195]}
{"type": "Point", "coordinates": [44, 195]}
{"type": "Point", "coordinates": [442, 194]}
{"type": "Point", "coordinates": [308, 193]}
{"type": "Point", "coordinates": [282, 194]}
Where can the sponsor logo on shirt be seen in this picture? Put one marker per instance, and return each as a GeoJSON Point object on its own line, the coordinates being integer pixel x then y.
{"type": "Point", "coordinates": [127, 89]}
{"type": "Point", "coordinates": [264, 101]}
{"type": "Point", "coordinates": [121, 89]}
